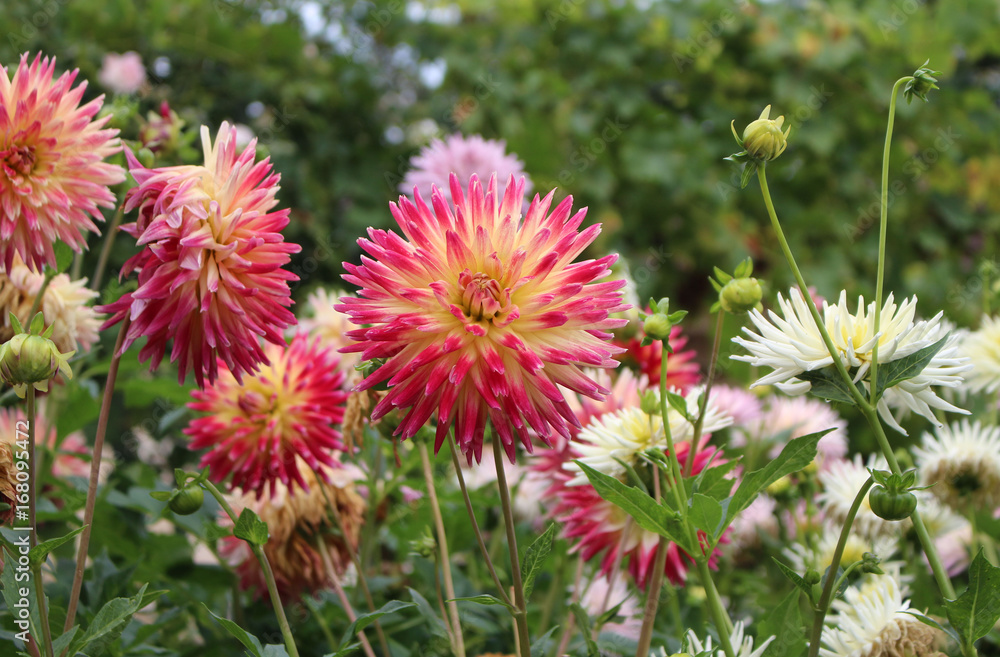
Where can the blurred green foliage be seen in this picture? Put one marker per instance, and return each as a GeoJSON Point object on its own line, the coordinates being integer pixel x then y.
{"type": "Point", "coordinates": [625, 105]}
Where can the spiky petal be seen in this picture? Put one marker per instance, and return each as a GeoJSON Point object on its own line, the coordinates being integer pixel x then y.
{"type": "Point", "coordinates": [210, 272]}
{"type": "Point", "coordinates": [53, 178]}
{"type": "Point", "coordinates": [482, 313]}
{"type": "Point", "coordinates": [260, 430]}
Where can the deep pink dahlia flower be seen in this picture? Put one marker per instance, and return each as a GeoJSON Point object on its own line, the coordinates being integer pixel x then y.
{"type": "Point", "coordinates": [210, 273]}
{"type": "Point", "coordinates": [482, 313]}
{"type": "Point", "coordinates": [682, 369]}
{"type": "Point", "coordinates": [258, 429]}
{"type": "Point", "coordinates": [53, 179]}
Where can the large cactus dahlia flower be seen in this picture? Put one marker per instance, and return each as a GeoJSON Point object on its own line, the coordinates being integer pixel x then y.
{"type": "Point", "coordinates": [481, 313]}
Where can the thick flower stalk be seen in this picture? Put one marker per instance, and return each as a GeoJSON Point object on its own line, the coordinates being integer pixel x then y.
{"type": "Point", "coordinates": [792, 344]}
{"type": "Point", "coordinates": [53, 178]}
{"type": "Point", "coordinates": [261, 429]}
{"type": "Point", "coordinates": [481, 313]}
{"type": "Point", "coordinates": [210, 271]}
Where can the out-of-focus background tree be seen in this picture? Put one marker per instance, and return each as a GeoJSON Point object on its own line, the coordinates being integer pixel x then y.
{"type": "Point", "coordinates": [625, 105]}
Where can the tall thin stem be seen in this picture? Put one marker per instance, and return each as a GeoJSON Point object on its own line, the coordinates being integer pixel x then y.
{"type": "Point", "coordinates": [352, 553]}
{"type": "Point", "coordinates": [570, 623]}
{"type": "Point", "coordinates": [656, 582]}
{"type": "Point", "coordinates": [31, 466]}
{"type": "Point", "coordinates": [520, 604]}
{"type": "Point", "coordinates": [703, 402]}
{"type": "Point", "coordinates": [475, 525]}
{"type": "Point", "coordinates": [442, 541]}
{"type": "Point", "coordinates": [95, 470]}
{"type": "Point", "coordinates": [883, 222]}
{"type": "Point", "coordinates": [831, 574]}
{"type": "Point", "coordinates": [109, 240]}
{"type": "Point", "coordinates": [272, 587]}
{"type": "Point", "coordinates": [338, 589]}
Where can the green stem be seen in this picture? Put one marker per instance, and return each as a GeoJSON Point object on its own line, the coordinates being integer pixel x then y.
{"type": "Point", "coordinates": [272, 587]}
{"type": "Point", "coordinates": [352, 553]}
{"type": "Point", "coordinates": [659, 563]}
{"type": "Point", "coordinates": [43, 611]}
{"type": "Point", "coordinates": [36, 304]}
{"type": "Point", "coordinates": [570, 622]}
{"type": "Point", "coordinates": [703, 402]}
{"type": "Point", "coordinates": [843, 577]}
{"type": "Point", "coordinates": [109, 239]}
{"type": "Point", "coordinates": [828, 587]}
{"type": "Point", "coordinates": [554, 591]}
{"type": "Point", "coordinates": [31, 466]}
{"type": "Point", "coordinates": [95, 470]}
{"type": "Point", "coordinates": [475, 524]}
{"type": "Point", "coordinates": [883, 222]}
{"type": "Point", "coordinates": [521, 605]}
{"type": "Point", "coordinates": [720, 618]}
{"type": "Point", "coordinates": [458, 642]}
{"type": "Point", "coordinates": [869, 411]}
{"type": "Point", "coordinates": [323, 626]}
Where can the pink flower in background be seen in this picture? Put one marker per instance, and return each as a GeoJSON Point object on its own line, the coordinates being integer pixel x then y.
{"type": "Point", "coordinates": [481, 313]}
{"type": "Point", "coordinates": [743, 406]}
{"type": "Point", "coordinates": [463, 156]}
{"type": "Point", "coordinates": [122, 74]}
{"type": "Point", "coordinates": [260, 429]}
{"type": "Point", "coordinates": [791, 417]}
{"type": "Point", "coordinates": [53, 178]}
{"type": "Point", "coordinates": [210, 275]}
{"type": "Point", "coordinates": [598, 590]}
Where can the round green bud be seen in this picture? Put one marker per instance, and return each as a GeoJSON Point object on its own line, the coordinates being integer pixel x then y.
{"type": "Point", "coordinates": [812, 577]}
{"type": "Point", "coordinates": [657, 326]}
{"type": "Point", "coordinates": [740, 295]}
{"type": "Point", "coordinates": [188, 500]}
{"type": "Point", "coordinates": [892, 505]}
{"type": "Point", "coordinates": [650, 403]}
{"type": "Point", "coordinates": [763, 138]}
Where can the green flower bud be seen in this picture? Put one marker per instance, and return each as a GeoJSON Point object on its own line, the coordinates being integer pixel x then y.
{"type": "Point", "coordinates": [763, 139]}
{"type": "Point", "coordinates": [812, 577]}
{"type": "Point", "coordinates": [897, 505]}
{"type": "Point", "coordinates": [31, 358]}
{"type": "Point", "coordinates": [921, 83]}
{"type": "Point", "coordinates": [740, 295]}
{"type": "Point", "coordinates": [187, 500]}
{"type": "Point", "coordinates": [650, 403]}
{"type": "Point", "coordinates": [657, 326]}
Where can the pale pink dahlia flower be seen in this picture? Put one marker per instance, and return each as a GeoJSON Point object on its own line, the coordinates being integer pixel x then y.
{"type": "Point", "coordinates": [482, 314]}
{"type": "Point", "coordinates": [210, 273]}
{"type": "Point", "coordinates": [53, 178]}
{"type": "Point", "coordinates": [122, 74]}
{"type": "Point", "coordinates": [261, 429]}
{"type": "Point", "coordinates": [465, 157]}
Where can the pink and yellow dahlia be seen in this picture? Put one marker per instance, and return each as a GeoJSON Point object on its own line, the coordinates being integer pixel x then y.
{"type": "Point", "coordinates": [480, 313]}
{"type": "Point", "coordinates": [260, 430]}
{"type": "Point", "coordinates": [210, 272]}
{"type": "Point", "coordinates": [53, 178]}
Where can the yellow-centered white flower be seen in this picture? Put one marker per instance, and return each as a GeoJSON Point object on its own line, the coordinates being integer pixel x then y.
{"type": "Point", "coordinates": [792, 344]}
{"type": "Point", "coordinates": [962, 461]}
{"type": "Point", "coordinates": [982, 347]}
{"type": "Point", "coordinates": [626, 433]}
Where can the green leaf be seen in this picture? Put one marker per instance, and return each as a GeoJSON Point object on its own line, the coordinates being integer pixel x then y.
{"type": "Point", "coordinates": [37, 324]}
{"type": "Point", "coordinates": [108, 625]}
{"type": "Point", "coordinates": [544, 644]}
{"type": "Point", "coordinates": [797, 454]}
{"type": "Point", "coordinates": [828, 384]}
{"type": "Point", "coordinates": [679, 404]}
{"type": "Point", "coordinates": [437, 627]}
{"type": "Point", "coordinates": [248, 640]}
{"type": "Point", "coordinates": [583, 621]}
{"type": "Point", "coordinates": [64, 256]}
{"type": "Point", "coordinates": [706, 514]}
{"type": "Point", "coordinates": [483, 599]}
{"type": "Point", "coordinates": [794, 577]}
{"type": "Point", "coordinates": [785, 624]}
{"type": "Point", "coordinates": [251, 528]}
{"type": "Point", "coordinates": [364, 620]}
{"type": "Point", "coordinates": [40, 551]}
{"type": "Point", "coordinates": [930, 622]}
{"type": "Point", "coordinates": [15, 324]}
{"type": "Point", "coordinates": [163, 495]}
{"type": "Point", "coordinates": [644, 510]}
{"type": "Point", "coordinates": [631, 475]}
{"type": "Point", "coordinates": [713, 482]}
{"type": "Point", "coordinates": [15, 597]}
{"type": "Point", "coordinates": [60, 644]}
{"type": "Point", "coordinates": [976, 611]}
{"type": "Point", "coordinates": [897, 371]}
{"type": "Point", "coordinates": [534, 556]}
